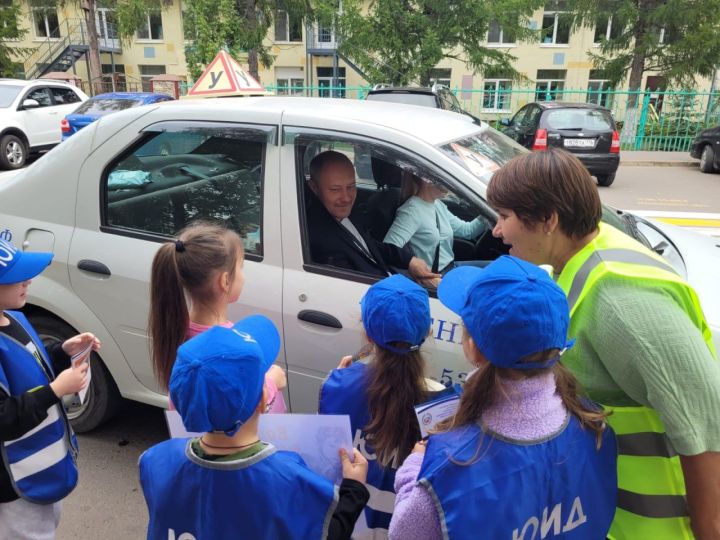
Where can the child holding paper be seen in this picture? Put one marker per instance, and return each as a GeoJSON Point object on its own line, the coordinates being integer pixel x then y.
{"type": "Point", "coordinates": [524, 456]}
{"type": "Point", "coordinates": [380, 396]}
{"type": "Point", "coordinates": [205, 263]}
{"type": "Point", "coordinates": [32, 419]}
{"type": "Point", "coordinates": [228, 483]}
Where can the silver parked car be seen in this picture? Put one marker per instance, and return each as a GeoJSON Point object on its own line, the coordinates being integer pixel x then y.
{"type": "Point", "coordinates": [105, 200]}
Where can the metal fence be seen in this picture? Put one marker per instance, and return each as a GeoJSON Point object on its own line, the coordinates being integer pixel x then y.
{"type": "Point", "coordinates": [660, 120]}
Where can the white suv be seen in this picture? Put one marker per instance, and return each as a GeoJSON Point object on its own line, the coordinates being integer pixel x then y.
{"type": "Point", "coordinates": [131, 180]}
{"type": "Point", "coordinates": [30, 115]}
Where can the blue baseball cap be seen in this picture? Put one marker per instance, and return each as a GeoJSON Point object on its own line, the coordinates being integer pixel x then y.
{"type": "Point", "coordinates": [218, 376]}
{"type": "Point", "coordinates": [396, 309]}
{"type": "Point", "coordinates": [511, 308]}
{"type": "Point", "coordinates": [18, 266]}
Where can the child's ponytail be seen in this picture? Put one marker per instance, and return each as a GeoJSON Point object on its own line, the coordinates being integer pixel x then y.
{"type": "Point", "coordinates": [169, 316]}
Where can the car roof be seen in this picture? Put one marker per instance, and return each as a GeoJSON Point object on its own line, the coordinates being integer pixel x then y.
{"type": "Point", "coordinates": [434, 126]}
{"type": "Point", "coordinates": [568, 105]}
{"type": "Point", "coordinates": [131, 95]}
{"type": "Point", "coordinates": [403, 89]}
{"type": "Point", "coordinates": [23, 82]}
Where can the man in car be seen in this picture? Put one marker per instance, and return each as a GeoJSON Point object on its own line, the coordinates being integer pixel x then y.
{"type": "Point", "coordinates": [338, 241]}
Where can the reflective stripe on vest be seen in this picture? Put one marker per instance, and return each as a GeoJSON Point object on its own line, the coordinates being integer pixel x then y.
{"type": "Point", "coordinates": [41, 460]}
{"type": "Point", "coordinates": [651, 487]}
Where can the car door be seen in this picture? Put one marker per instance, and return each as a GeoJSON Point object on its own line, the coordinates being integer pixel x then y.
{"type": "Point", "coordinates": [153, 178]}
{"type": "Point", "coordinates": [43, 121]}
{"type": "Point", "coordinates": [321, 303]}
{"type": "Point", "coordinates": [65, 100]}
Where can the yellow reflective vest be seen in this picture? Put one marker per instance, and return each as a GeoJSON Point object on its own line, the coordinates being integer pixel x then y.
{"type": "Point", "coordinates": [651, 487]}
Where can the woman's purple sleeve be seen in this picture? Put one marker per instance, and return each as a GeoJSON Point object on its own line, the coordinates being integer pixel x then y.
{"type": "Point", "coordinates": [415, 515]}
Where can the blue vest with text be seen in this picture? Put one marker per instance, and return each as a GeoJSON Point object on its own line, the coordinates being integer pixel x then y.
{"type": "Point", "coordinates": [41, 463]}
{"type": "Point", "coordinates": [561, 487]}
{"type": "Point", "coordinates": [269, 495]}
{"type": "Point", "coordinates": [344, 392]}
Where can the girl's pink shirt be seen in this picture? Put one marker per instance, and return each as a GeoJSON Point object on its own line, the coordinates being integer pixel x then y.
{"type": "Point", "coordinates": [276, 402]}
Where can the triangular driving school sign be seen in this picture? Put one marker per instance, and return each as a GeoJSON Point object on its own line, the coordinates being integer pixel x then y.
{"type": "Point", "coordinates": [225, 77]}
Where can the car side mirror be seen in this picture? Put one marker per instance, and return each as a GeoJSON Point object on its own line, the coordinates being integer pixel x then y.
{"type": "Point", "coordinates": [505, 122]}
{"type": "Point", "coordinates": [30, 104]}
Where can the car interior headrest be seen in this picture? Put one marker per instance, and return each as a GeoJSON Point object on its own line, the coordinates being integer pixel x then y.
{"type": "Point", "coordinates": [386, 174]}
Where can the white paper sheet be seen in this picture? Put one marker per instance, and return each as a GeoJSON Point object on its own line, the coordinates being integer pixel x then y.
{"type": "Point", "coordinates": [78, 359]}
{"type": "Point", "coordinates": [316, 437]}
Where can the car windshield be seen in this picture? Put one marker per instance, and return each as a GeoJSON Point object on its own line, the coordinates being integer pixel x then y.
{"type": "Point", "coordinates": [410, 98]}
{"type": "Point", "coordinates": [579, 119]}
{"type": "Point", "coordinates": [8, 94]}
{"type": "Point", "coordinates": [100, 107]}
{"type": "Point", "coordinates": [483, 152]}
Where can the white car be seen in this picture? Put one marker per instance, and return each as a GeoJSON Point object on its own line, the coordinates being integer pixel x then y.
{"type": "Point", "coordinates": [245, 162]}
{"type": "Point", "coordinates": [30, 115]}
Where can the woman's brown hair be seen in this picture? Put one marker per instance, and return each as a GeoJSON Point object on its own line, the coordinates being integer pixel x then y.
{"type": "Point", "coordinates": [186, 265]}
{"type": "Point", "coordinates": [536, 184]}
{"type": "Point", "coordinates": [395, 385]}
{"type": "Point", "coordinates": [485, 387]}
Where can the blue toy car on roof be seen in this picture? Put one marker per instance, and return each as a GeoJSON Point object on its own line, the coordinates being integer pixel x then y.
{"type": "Point", "coordinates": [103, 104]}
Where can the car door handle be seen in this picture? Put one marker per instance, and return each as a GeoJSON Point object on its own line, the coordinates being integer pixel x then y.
{"type": "Point", "coordinates": [318, 317]}
{"type": "Point", "coordinates": [95, 267]}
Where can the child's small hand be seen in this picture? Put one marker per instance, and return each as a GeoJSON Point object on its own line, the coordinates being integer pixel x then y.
{"type": "Point", "coordinates": [70, 381]}
{"type": "Point", "coordinates": [419, 447]}
{"type": "Point", "coordinates": [77, 343]}
{"type": "Point", "coordinates": [278, 376]}
{"type": "Point", "coordinates": [354, 470]}
{"type": "Point", "coordinates": [345, 361]}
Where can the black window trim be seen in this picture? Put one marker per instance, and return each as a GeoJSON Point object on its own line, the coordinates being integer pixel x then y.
{"type": "Point", "coordinates": [291, 132]}
{"type": "Point", "coordinates": [153, 130]}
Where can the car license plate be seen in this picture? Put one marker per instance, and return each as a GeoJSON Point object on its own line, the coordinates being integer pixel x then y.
{"type": "Point", "coordinates": [579, 143]}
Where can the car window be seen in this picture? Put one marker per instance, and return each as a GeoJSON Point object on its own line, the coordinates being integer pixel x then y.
{"type": "Point", "coordinates": [104, 106]}
{"type": "Point", "coordinates": [63, 96]}
{"type": "Point", "coordinates": [451, 102]}
{"type": "Point", "coordinates": [579, 119]}
{"type": "Point", "coordinates": [484, 152]}
{"type": "Point", "coordinates": [424, 100]}
{"type": "Point", "coordinates": [519, 117]}
{"type": "Point", "coordinates": [40, 95]}
{"type": "Point", "coordinates": [8, 94]}
{"type": "Point", "coordinates": [532, 117]}
{"type": "Point", "coordinates": [186, 173]}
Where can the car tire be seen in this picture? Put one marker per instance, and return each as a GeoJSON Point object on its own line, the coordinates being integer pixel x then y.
{"type": "Point", "coordinates": [102, 398]}
{"type": "Point", "coordinates": [605, 180]}
{"type": "Point", "coordinates": [707, 159]}
{"type": "Point", "coordinates": [13, 152]}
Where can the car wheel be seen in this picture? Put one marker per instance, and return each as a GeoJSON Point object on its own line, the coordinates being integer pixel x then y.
{"type": "Point", "coordinates": [102, 398]}
{"type": "Point", "coordinates": [605, 180]}
{"type": "Point", "coordinates": [13, 152]}
{"type": "Point", "coordinates": [707, 159]}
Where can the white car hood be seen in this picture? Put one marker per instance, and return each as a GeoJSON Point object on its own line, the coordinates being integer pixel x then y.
{"type": "Point", "coordinates": [702, 259]}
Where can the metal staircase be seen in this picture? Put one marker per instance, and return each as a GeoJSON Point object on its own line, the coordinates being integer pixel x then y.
{"type": "Point", "coordinates": [61, 54]}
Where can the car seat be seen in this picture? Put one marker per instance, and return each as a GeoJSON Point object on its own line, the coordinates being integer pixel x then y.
{"type": "Point", "coordinates": [381, 206]}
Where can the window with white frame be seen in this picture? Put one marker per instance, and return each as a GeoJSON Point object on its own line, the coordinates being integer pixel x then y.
{"type": "Point", "coordinates": [152, 27]}
{"type": "Point", "coordinates": [287, 27]}
{"type": "Point", "coordinates": [496, 95]}
{"type": "Point", "coordinates": [556, 24]}
{"type": "Point", "coordinates": [549, 84]}
{"type": "Point", "coordinates": [440, 76]}
{"type": "Point", "coordinates": [325, 82]}
{"type": "Point", "coordinates": [45, 22]}
{"type": "Point", "coordinates": [289, 81]}
{"type": "Point", "coordinates": [147, 72]}
{"type": "Point", "coordinates": [599, 89]}
{"type": "Point", "coordinates": [497, 35]}
{"type": "Point", "coordinates": [607, 27]}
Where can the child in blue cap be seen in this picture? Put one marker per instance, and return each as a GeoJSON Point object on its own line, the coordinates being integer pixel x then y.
{"type": "Point", "coordinates": [38, 445]}
{"type": "Point", "coordinates": [523, 457]}
{"type": "Point", "coordinates": [228, 483]}
{"type": "Point", "coordinates": [380, 396]}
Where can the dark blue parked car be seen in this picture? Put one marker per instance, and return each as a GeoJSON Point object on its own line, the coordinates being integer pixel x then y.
{"type": "Point", "coordinates": [103, 104]}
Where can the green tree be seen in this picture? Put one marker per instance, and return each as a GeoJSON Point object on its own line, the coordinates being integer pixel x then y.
{"type": "Point", "coordinates": [678, 39]}
{"type": "Point", "coordinates": [238, 26]}
{"type": "Point", "coordinates": [9, 29]}
{"type": "Point", "coordinates": [401, 41]}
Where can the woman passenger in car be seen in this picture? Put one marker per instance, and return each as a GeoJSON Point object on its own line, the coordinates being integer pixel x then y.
{"type": "Point", "coordinates": [425, 222]}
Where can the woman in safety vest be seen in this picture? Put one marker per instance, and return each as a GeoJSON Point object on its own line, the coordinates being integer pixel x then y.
{"type": "Point", "coordinates": [523, 457]}
{"type": "Point", "coordinates": [380, 396]}
{"type": "Point", "coordinates": [644, 349]}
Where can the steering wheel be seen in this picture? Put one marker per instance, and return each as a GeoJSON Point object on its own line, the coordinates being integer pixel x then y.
{"type": "Point", "coordinates": [487, 247]}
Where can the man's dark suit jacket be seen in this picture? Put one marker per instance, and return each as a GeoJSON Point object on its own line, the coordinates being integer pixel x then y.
{"type": "Point", "coordinates": [333, 244]}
